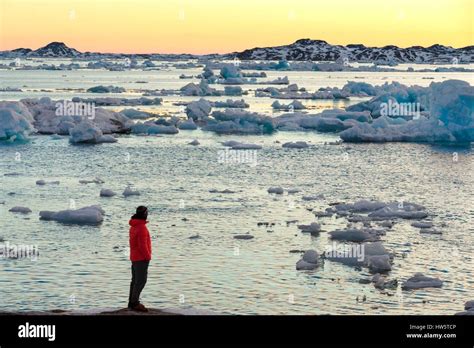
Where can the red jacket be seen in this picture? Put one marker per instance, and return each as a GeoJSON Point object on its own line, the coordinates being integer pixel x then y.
{"type": "Point", "coordinates": [140, 242]}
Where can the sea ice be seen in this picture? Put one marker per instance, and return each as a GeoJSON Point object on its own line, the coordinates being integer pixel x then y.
{"type": "Point", "coordinates": [296, 145]}
{"type": "Point", "coordinates": [419, 281]}
{"type": "Point", "coordinates": [130, 192]}
{"type": "Point", "coordinates": [275, 190]}
{"type": "Point", "coordinates": [107, 193]}
{"type": "Point", "coordinates": [91, 215]}
{"type": "Point", "coordinates": [21, 210]}
{"type": "Point", "coordinates": [88, 133]}
{"type": "Point", "coordinates": [309, 261]}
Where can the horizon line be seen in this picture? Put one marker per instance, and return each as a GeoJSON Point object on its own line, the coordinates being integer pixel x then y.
{"type": "Point", "coordinates": [234, 51]}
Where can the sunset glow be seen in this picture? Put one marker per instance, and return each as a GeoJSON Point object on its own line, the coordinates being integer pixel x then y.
{"type": "Point", "coordinates": [208, 26]}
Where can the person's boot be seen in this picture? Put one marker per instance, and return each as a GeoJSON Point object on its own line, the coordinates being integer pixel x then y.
{"type": "Point", "coordinates": [139, 308]}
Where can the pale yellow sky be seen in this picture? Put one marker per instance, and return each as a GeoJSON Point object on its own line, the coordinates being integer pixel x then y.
{"type": "Point", "coordinates": [208, 26]}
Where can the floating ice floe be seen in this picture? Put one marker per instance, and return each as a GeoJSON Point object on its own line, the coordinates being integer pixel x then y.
{"type": "Point", "coordinates": [198, 110]}
{"type": "Point", "coordinates": [246, 146]}
{"type": "Point", "coordinates": [233, 91]}
{"type": "Point", "coordinates": [327, 121]}
{"type": "Point", "coordinates": [355, 235]}
{"type": "Point", "coordinates": [44, 182]}
{"type": "Point", "coordinates": [371, 255]}
{"type": "Point", "coordinates": [92, 215]}
{"type": "Point", "coordinates": [381, 283]}
{"type": "Point", "coordinates": [134, 114]}
{"type": "Point", "coordinates": [313, 198]}
{"type": "Point", "coordinates": [237, 121]}
{"type": "Point", "coordinates": [21, 210]}
{"type": "Point", "coordinates": [203, 89]}
{"type": "Point", "coordinates": [16, 121]}
{"type": "Point", "coordinates": [187, 125]}
{"type": "Point", "coordinates": [130, 192]}
{"type": "Point", "coordinates": [106, 89]}
{"type": "Point", "coordinates": [403, 210]}
{"type": "Point", "coordinates": [229, 103]}
{"type": "Point", "coordinates": [47, 120]}
{"type": "Point", "coordinates": [221, 191]}
{"type": "Point", "coordinates": [468, 307]}
{"type": "Point", "coordinates": [91, 181]}
{"type": "Point", "coordinates": [114, 101]}
{"type": "Point", "coordinates": [275, 190]}
{"type": "Point", "coordinates": [430, 231]}
{"type": "Point", "coordinates": [107, 193]}
{"type": "Point", "coordinates": [243, 236]}
{"type": "Point", "coordinates": [419, 281]}
{"type": "Point", "coordinates": [422, 224]}
{"type": "Point", "coordinates": [379, 263]}
{"type": "Point", "coordinates": [309, 261]}
{"type": "Point", "coordinates": [451, 117]}
{"type": "Point", "coordinates": [151, 127]}
{"type": "Point", "coordinates": [314, 227]}
{"type": "Point", "coordinates": [294, 105]}
{"type": "Point", "coordinates": [296, 145]}
{"type": "Point", "coordinates": [88, 133]}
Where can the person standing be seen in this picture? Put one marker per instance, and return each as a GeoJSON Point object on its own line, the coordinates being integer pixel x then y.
{"type": "Point", "coordinates": [140, 256]}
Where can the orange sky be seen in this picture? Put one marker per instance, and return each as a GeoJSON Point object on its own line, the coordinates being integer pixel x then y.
{"type": "Point", "coordinates": [208, 26]}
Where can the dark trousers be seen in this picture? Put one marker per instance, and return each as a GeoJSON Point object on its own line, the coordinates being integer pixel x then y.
{"type": "Point", "coordinates": [139, 278]}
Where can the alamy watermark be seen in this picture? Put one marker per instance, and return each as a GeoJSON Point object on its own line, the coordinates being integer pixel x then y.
{"type": "Point", "coordinates": [70, 108]}
{"type": "Point", "coordinates": [229, 156]}
{"type": "Point", "coordinates": [356, 251]}
{"type": "Point", "coordinates": [19, 251]}
{"type": "Point", "coordinates": [393, 108]}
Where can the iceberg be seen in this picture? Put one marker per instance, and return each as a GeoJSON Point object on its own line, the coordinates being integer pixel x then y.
{"type": "Point", "coordinates": [450, 117]}
{"type": "Point", "coordinates": [15, 121]}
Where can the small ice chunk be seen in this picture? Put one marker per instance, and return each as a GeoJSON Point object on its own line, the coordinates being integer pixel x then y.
{"type": "Point", "coordinates": [379, 263]}
{"type": "Point", "coordinates": [311, 228]}
{"type": "Point", "coordinates": [243, 146]}
{"type": "Point", "coordinates": [275, 190]}
{"type": "Point", "coordinates": [91, 181]}
{"type": "Point", "coordinates": [421, 224]}
{"type": "Point", "coordinates": [187, 125]}
{"type": "Point", "coordinates": [352, 235]}
{"type": "Point", "coordinates": [430, 231]}
{"type": "Point", "coordinates": [296, 145]}
{"type": "Point", "coordinates": [419, 281]}
{"type": "Point", "coordinates": [107, 193]}
{"type": "Point", "coordinates": [21, 210]}
{"type": "Point", "coordinates": [130, 192]}
{"type": "Point", "coordinates": [243, 236]}
{"type": "Point", "coordinates": [309, 261]}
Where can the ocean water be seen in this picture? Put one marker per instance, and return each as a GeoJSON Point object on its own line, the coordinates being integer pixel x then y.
{"type": "Point", "coordinates": [83, 267]}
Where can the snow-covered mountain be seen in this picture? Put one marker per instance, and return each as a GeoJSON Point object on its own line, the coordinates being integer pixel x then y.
{"type": "Point", "coordinates": [301, 50]}
{"type": "Point", "coordinates": [55, 49]}
{"type": "Point", "coordinates": [319, 50]}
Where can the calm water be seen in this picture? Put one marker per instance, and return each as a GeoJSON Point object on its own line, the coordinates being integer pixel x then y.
{"type": "Point", "coordinates": [218, 272]}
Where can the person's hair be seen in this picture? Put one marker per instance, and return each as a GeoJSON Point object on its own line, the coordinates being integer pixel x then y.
{"type": "Point", "coordinates": [141, 213]}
